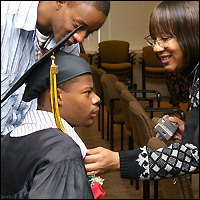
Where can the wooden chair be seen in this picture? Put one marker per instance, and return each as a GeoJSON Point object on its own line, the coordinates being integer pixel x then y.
{"type": "Point", "coordinates": [151, 66]}
{"type": "Point", "coordinates": [114, 57]}
{"type": "Point", "coordinates": [96, 74]}
{"type": "Point", "coordinates": [143, 130]}
{"type": "Point", "coordinates": [83, 53]}
{"type": "Point", "coordinates": [113, 106]}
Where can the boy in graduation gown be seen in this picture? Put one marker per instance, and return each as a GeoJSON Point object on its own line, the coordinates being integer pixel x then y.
{"type": "Point", "coordinates": [44, 157]}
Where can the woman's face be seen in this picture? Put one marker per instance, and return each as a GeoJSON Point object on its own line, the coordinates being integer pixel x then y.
{"type": "Point", "coordinates": [171, 56]}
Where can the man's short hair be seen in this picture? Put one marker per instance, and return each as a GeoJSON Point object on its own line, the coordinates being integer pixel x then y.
{"type": "Point", "coordinates": [103, 6]}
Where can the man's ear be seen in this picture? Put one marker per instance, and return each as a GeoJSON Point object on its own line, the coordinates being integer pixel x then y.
{"type": "Point", "coordinates": [59, 4]}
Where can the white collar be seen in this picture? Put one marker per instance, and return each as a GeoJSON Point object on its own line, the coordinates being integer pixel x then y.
{"type": "Point", "coordinates": [36, 120]}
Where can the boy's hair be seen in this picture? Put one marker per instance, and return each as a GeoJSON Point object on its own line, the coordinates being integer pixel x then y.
{"type": "Point", "coordinates": [180, 19]}
{"type": "Point", "coordinates": [103, 6]}
{"type": "Point", "coordinates": [65, 86]}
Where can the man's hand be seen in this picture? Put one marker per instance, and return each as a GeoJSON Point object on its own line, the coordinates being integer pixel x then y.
{"type": "Point", "coordinates": [100, 160]}
{"type": "Point", "coordinates": [181, 127]}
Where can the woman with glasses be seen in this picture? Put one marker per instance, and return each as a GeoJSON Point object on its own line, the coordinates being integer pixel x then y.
{"type": "Point", "coordinates": [174, 37]}
{"type": "Point", "coordinates": [177, 84]}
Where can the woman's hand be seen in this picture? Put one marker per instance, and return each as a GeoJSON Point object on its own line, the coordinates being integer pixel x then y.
{"type": "Point", "coordinates": [100, 160]}
{"type": "Point", "coordinates": [181, 126]}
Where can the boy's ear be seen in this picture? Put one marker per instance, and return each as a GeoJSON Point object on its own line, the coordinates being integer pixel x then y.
{"type": "Point", "coordinates": [60, 96]}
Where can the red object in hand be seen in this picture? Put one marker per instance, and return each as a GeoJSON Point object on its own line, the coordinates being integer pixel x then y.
{"type": "Point", "coordinates": [97, 190]}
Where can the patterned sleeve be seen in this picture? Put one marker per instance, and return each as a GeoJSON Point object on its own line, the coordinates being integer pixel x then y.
{"type": "Point", "coordinates": [146, 163]}
{"type": "Point", "coordinates": [176, 159]}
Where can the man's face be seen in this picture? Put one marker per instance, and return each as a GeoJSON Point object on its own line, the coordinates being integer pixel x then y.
{"type": "Point", "coordinates": [67, 19]}
{"type": "Point", "coordinates": [80, 103]}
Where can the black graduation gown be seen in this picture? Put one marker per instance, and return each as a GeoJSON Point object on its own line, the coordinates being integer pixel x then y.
{"type": "Point", "coordinates": [46, 164]}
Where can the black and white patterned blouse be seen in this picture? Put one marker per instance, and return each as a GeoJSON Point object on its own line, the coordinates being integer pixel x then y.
{"type": "Point", "coordinates": [176, 159]}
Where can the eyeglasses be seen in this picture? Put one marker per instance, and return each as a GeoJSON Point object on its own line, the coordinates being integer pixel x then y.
{"type": "Point", "coordinates": [163, 43]}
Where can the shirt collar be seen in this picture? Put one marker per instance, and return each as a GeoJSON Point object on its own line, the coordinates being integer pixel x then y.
{"type": "Point", "coordinates": [36, 120]}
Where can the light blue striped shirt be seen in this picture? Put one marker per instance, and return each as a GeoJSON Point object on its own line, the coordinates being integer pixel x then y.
{"type": "Point", "coordinates": [18, 37]}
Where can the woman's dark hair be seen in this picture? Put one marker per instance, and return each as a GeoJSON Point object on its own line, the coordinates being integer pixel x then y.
{"type": "Point", "coordinates": [180, 19]}
{"type": "Point", "coordinates": [103, 6]}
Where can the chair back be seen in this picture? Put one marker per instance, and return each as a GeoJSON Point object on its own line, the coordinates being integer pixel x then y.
{"type": "Point", "coordinates": [151, 66]}
{"type": "Point", "coordinates": [140, 122]}
{"type": "Point", "coordinates": [114, 58]}
{"type": "Point", "coordinates": [100, 72]}
{"type": "Point", "coordinates": [114, 51]}
{"type": "Point", "coordinates": [150, 58]}
{"type": "Point", "coordinates": [82, 50]}
{"type": "Point", "coordinates": [125, 98]}
{"type": "Point", "coordinates": [110, 92]}
{"type": "Point", "coordinates": [83, 53]}
{"type": "Point", "coordinates": [96, 75]}
{"type": "Point", "coordinates": [120, 86]}
{"type": "Point", "coordinates": [124, 103]}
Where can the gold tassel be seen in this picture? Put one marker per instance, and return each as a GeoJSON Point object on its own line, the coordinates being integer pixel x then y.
{"type": "Point", "coordinates": [54, 100]}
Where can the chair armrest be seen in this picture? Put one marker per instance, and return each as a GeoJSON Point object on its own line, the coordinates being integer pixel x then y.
{"type": "Point", "coordinates": [112, 101]}
{"type": "Point", "coordinates": [140, 60]}
{"type": "Point", "coordinates": [132, 55]}
{"type": "Point", "coordinates": [97, 59]}
{"type": "Point", "coordinates": [158, 95]}
{"type": "Point", "coordinates": [174, 109]}
{"type": "Point", "coordinates": [146, 91]}
{"type": "Point", "coordinates": [116, 99]}
{"type": "Point", "coordinates": [130, 85]}
{"type": "Point", "coordinates": [91, 57]}
{"type": "Point", "coordinates": [146, 99]}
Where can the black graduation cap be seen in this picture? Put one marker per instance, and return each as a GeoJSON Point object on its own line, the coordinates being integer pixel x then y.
{"type": "Point", "coordinates": [37, 77]}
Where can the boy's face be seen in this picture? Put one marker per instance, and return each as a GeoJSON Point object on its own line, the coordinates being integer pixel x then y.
{"type": "Point", "coordinates": [79, 105]}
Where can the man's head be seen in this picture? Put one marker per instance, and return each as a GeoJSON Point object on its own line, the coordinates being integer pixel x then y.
{"type": "Point", "coordinates": [61, 17]}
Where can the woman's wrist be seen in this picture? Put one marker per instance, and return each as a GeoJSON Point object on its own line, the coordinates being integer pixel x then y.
{"type": "Point", "coordinates": [117, 161]}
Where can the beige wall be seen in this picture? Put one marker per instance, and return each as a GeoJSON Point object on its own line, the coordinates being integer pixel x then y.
{"type": "Point", "coordinates": [128, 20]}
